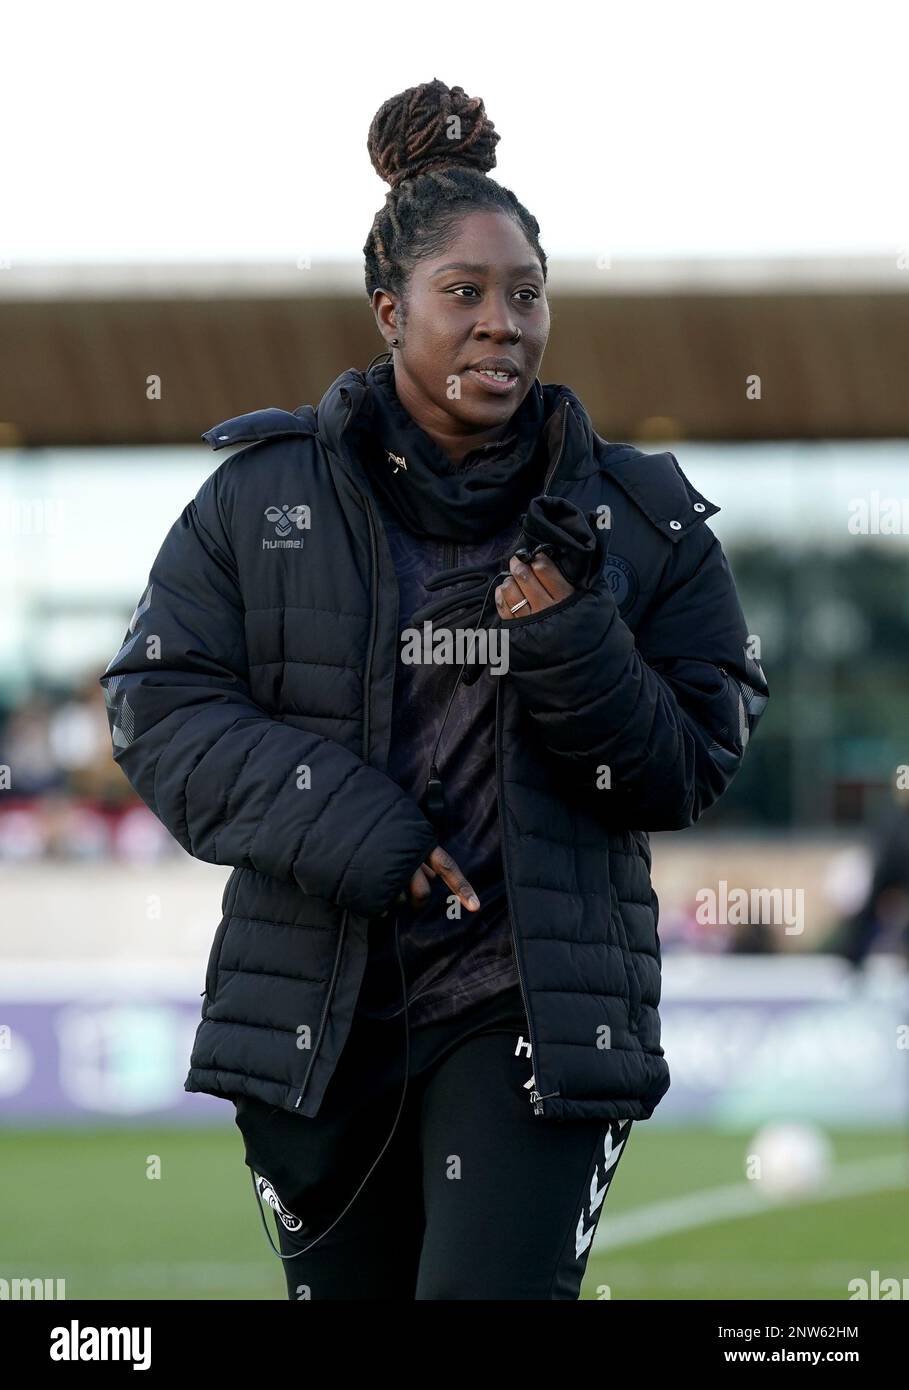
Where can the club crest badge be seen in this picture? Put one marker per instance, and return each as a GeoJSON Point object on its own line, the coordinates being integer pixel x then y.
{"type": "Point", "coordinates": [268, 1195]}
{"type": "Point", "coordinates": [622, 581]}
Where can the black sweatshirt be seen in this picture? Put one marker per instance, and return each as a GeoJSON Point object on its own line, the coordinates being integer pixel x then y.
{"type": "Point", "coordinates": [450, 963]}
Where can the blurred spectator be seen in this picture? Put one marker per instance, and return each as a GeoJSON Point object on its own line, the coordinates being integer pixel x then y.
{"type": "Point", "coordinates": [759, 938]}
{"type": "Point", "coordinates": [66, 796]}
{"type": "Point", "coordinates": [80, 739]}
{"type": "Point", "coordinates": [882, 919]}
{"type": "Point", "coordinates": [27, 749]}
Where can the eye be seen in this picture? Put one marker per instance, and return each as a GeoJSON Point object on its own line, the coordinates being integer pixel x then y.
{"type": "Point", "coordinates": [534, 294]}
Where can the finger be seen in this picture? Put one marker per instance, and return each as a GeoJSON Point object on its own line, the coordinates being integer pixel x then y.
{"type": "Point", "coordinates": [418, 890]}
{"type": "Point", "coordinates": [449, 872]}
{"type": "Point", "coordinates": [550, 576]}
{"type": "Point", "coordinates": [528, 583]}
{"type": "Point", "coordinates": [508, 595]}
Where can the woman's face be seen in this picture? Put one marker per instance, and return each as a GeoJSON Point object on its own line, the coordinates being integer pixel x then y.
{"type": "Point", "coordinates": [482, 298]}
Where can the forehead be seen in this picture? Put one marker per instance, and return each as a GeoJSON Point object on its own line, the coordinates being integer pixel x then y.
{"type": "Point", "coordinates": [483, 243]}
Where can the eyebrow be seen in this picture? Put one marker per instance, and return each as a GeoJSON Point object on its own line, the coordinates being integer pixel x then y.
{"type": "Point", "coordinates": [532, 268]}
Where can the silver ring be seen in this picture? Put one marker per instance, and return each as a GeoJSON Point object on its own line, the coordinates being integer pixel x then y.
{"type": "Point", "coordinates": [520, 605]}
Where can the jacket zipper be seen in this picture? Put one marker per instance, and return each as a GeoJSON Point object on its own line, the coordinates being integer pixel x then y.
{"type": "Point", "coordinates": [558, 458]}
{"type": "Point", "coordinates": [536, 1098]}
{"type": "Point", "coordinates": [367, 682]}
{"type": "Point", "coordinates": [500, 788]}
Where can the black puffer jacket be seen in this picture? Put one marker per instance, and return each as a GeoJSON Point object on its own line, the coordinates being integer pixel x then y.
{"type": "Point", "coordinates": [250, 708]}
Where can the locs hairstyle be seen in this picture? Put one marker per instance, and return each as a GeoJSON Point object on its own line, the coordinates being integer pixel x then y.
{"type": "Point", "coordinates": [433, 145]}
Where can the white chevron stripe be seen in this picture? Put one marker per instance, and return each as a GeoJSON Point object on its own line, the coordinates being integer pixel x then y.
{"type": "Point", "coordinates": [611, 1153]}
{"type": "Point", "coordinates": [611, 1157]}
{"type": "Point", "coordinates": [596, 1193]}
{"type": "Point", "coordinates": [583, 1235]}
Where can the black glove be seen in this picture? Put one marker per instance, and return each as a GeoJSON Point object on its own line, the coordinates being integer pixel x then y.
{"type": "Point", "coordinates": [573, 541]}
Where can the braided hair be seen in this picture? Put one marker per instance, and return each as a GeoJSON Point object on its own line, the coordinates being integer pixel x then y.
{"type": "Point", "coordinates": [433, 144]}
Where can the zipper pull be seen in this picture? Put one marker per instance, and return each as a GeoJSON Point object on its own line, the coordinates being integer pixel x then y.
{"type": "Point", "coordinates": [434, 796]}
{"type": "Point", "coordinates": [536, 1100]}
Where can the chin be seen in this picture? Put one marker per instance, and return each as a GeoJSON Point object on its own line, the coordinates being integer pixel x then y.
{"type": "Point", "coordinates": [482, 417]}
{"type": "Point", "coordinates": [487, 411]}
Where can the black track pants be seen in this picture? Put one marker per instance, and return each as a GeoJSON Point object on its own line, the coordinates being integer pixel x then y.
{"type": "Point", "coordinates": [476, 1197]}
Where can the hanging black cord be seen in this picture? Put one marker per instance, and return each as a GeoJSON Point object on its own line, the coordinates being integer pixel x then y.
{"type": "Point", "coordinates": [381, 1151]}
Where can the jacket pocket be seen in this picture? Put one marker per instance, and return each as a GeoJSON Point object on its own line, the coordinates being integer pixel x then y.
{"type": "Point", "coordinates": [632, 985]}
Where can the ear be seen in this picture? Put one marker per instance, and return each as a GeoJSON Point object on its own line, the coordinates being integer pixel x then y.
{"type": "Point", "coordinates": [386, 309]}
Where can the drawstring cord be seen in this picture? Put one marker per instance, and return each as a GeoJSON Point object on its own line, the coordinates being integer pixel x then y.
{"type": "Point", "coordinates": [381, 1151]}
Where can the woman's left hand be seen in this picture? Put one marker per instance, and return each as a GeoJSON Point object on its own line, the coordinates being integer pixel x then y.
{"type": "Point", "coordinates": [541, 583]}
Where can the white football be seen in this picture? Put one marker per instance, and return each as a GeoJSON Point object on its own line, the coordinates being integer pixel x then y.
{"type": "Point", "coordinates": [789, 1160]}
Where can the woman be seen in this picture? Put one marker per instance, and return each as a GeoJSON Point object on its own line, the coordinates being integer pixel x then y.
{"type": "Point", "coordinates": [438, 965]}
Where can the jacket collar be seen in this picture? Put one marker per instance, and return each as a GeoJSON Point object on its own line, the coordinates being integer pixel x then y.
{"type": "Point", "coordinates": [654, 482]}
{"type": "Point", "coordinates": [349, 393]}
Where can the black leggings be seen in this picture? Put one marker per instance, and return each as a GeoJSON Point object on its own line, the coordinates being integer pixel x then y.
{"type": "Point", "coordinates": [475, 1197]}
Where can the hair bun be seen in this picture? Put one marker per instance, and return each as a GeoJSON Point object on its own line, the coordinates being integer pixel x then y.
{"type": "Point", "coordinates": [428, 127]}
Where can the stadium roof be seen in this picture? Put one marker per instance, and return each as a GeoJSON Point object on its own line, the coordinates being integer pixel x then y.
{"type": "Point", "coordinates": [654, 348]}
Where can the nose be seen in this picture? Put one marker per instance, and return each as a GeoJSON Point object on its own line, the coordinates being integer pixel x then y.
{"type": "Point", "coordinates": [498, 320]}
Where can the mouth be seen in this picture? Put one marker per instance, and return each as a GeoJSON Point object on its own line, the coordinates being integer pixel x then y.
{"type": "Point", "coordinates": [498, 381]}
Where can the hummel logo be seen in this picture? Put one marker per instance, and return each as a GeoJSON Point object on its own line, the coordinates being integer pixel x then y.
{"type": "Point", "coordinates": [284, 519]}
{"type": "Point", "coordinates": [271, 1198]}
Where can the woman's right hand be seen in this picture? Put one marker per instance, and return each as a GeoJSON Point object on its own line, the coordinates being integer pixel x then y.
{"type": "Point", "coordinates": [439, 862]}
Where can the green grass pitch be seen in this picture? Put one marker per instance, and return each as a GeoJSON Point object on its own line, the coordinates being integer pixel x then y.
{"type": "Point", "coordinates": [78, 1205]}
